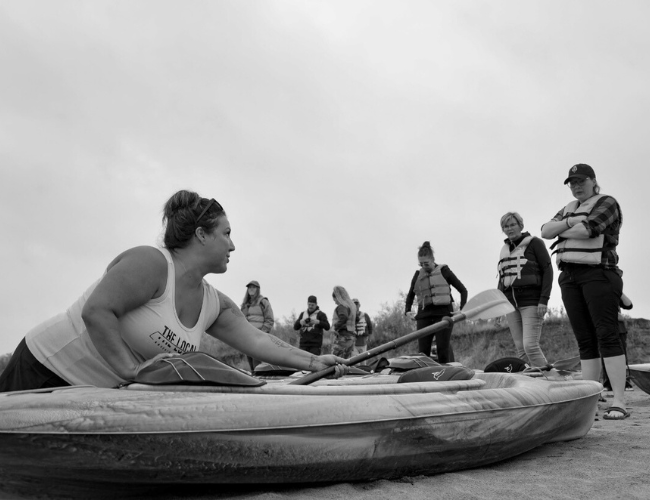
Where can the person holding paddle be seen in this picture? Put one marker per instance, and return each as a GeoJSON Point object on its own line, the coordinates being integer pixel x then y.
{"type": "Point", "coordinates": [526, 279]}
{"type": "Point", "coordinates": [587, 231]}
{"type": "Point", "coordinates": [431, 284]}
{"type": "Point", "coordinates": [151, 303]}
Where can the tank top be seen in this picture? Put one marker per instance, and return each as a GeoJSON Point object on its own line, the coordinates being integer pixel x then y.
{"type": "Point", "coordinates": [63, 344]}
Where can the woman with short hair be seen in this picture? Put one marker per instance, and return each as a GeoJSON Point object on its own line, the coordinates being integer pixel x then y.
{"type": "Point", "coordinates": [526, 279]}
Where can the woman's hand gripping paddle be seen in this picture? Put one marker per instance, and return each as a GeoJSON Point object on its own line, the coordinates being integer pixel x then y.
{"type": "Point", "coordinates": [485, 305]}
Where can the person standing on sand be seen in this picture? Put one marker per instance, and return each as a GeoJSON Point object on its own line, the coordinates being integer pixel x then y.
{"type": "Point", "coordinates": [587, 232]}
{"type": "Point", "coordinates": [311, 324]}
{"type": "Point", "coordinates": [364, 330]}
{"type": "Point", "coordinates": [258, 312]}
{"type": "Point", "coordinates": [343, 323]}
{"type": "Point", "coordinates": [431, 285]}
{"type": "Point", "coordinates": [526, 279]}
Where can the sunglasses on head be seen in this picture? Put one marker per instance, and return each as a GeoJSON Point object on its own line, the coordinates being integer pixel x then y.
{"type": "Point", "coordinates": [210, 203]}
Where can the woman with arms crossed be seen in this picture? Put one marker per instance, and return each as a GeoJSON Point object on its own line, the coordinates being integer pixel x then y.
{"type": "Point", "coordinates": [150, 303]}
{"type": "Point", "coordinates": [587, 235]}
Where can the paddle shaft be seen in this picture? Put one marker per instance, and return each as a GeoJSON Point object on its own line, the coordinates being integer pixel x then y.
{"type": "Point", "coordinates": [388, 346]}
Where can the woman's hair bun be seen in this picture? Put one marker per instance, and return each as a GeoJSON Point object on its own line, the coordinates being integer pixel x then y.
{"type": "Point", "coordinates": [426, 244]}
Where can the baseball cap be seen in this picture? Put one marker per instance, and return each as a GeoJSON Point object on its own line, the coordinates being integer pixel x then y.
{"type": "Point", "coordinates": [254, 283]}
{"type": "Point", "coordinates": [581, 171]}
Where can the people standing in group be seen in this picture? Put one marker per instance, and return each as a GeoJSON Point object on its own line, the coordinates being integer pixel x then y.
{"type": "Point", "coordinates": [626, 304]}
{"type": "Point", "coordinates": [344, 323]}
{"type": "Point", "coordinates": [526, 279]}
{"type": "Point", "coordinates": [587, 232]}
{"type": "Point", "coordinates": [363, 330]}
{"type": "Point", "coordinates": [311, 323]}
{"type": "Point", "coordinates": [150, 303]}
{"type": "Point", "coordinates": [431, 284]}
{"type": "Point", "coordinates": [258, 312]}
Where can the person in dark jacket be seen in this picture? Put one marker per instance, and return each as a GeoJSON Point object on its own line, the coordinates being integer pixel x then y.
{"type": "Point", "coordinates": [526, 279]}
{"type": "Point", "coordinates": [431, 285]}
{"type": "Point", "coordinates": [311, 323]}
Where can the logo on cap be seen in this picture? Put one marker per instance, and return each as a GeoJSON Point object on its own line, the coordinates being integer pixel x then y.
{"type": "Point", "coordinates": [574, 169]}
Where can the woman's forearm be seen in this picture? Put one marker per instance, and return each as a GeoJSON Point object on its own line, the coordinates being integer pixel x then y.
{"type": "Point", "coordinates": [566, 228]}
{"type": "Point", "coordinates": [276, 351]}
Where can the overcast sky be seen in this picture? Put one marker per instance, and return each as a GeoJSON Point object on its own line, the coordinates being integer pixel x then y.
{"type": "Point", "coordinates": [338, 135]}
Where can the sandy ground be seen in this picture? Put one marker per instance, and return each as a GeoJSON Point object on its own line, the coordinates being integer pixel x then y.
{"type": "Point", "coordinates": [610, 462]}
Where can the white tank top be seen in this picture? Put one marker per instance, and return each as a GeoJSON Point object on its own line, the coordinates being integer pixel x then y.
{"type": "Point", "coordinates": [63, 345]}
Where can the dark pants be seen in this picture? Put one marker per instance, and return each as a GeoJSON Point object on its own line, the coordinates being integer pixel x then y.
{"type": "Point", "coordinates": [591, 297]}
{"type": "Point", "coordinates": [24, 372]}
{"type": "Point", "coordinates": [443, 340]}
{"type": "Point", "coordinates": [311, 348]}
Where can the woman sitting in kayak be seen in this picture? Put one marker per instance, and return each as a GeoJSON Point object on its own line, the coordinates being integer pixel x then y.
{"type": "Point", "coordinates": [151, 303]}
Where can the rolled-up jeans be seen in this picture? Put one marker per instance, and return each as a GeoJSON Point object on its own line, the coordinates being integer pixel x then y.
{"type": "Point", "coordinates": [526, 329]}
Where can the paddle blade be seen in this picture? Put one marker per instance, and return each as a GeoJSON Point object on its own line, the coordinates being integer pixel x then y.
{"type": "Point", "coordinates": [487, 305]}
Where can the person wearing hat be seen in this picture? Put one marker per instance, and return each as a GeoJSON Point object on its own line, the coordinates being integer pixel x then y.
{"type": "Point", "coordinates": [311, 323]}
{"type": "Point", "coordinates": [258, 312]}
{"type": "Point", "coordinates": [587, 232]}
{"type": "Point", "coordinates": [364, 330]}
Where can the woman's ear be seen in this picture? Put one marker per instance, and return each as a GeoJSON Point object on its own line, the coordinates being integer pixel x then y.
{"type": "Point", "coordinates": [199, 232]}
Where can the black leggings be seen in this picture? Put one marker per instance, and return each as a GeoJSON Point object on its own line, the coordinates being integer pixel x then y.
{"type": "Point", "coordinates": [24, 372]}
{"type": "Point", "coordinates": [591, 296]}
{"type": "Point", "coordinates": [443, 340]}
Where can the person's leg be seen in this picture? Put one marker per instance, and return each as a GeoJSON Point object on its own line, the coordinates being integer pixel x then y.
{"type": "Point", "coordinates": [443, 344]}
{"type": "Point", "coordinates": [602, 292]}
{"type": "Point", "coordinates": [517, 333]}
{"type": "Point", "coordinates": [581, 323]}
{"type": "Point", "coordinates": [343, 345]}
{"type": "Point", "coordinates": [424, 343]}
{"type": "Point", "coordinates": [532, 331]}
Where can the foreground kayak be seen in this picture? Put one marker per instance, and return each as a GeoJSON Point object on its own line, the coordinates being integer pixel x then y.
{"type": "Point", "coordinates": [335, 430]}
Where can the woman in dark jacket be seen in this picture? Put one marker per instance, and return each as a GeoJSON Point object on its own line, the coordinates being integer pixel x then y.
{"type": "Point", "coordinates": [526, 279]}
{"type": "Point", "coordinates": [431, 284]}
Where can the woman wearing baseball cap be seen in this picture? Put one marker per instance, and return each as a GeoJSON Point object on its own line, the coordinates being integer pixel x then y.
{"type": "Point", "coordinates": [587, 232]}
{"type": "Point", "coordinates": [258, 312]}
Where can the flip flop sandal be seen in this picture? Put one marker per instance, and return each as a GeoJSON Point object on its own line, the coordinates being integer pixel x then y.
{"type": "Point", "coordinates": [608, 416]}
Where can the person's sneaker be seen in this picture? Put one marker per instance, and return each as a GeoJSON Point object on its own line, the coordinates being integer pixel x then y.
{"type": "Point", "coordinates": [607, 387]}
{"type": "Point", "coordinates": [628, 386]}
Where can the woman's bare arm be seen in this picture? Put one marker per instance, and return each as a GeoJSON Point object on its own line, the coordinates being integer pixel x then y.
{"type": "Point", "coordinates": [131, 280]}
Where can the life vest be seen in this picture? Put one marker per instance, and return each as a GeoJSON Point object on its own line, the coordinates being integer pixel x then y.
{"type": "Point", "coordinates": [361, 324]}
{"type": "Point", "coordinates": [432, 288]}
{"type": "Point", "coordinates": [313, 316]}
{"type": "Point", "coordinates": [580, 251]}
{"type": "Point", "coordinates": [515, 269]}
{"type": "Point", "coordinates": [255, 312]}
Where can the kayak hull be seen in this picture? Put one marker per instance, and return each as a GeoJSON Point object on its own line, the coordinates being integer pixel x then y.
{"type": "Point", "coordinates": [640, 373]}
{"type": "Point", "coordinates": [320, 438]}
